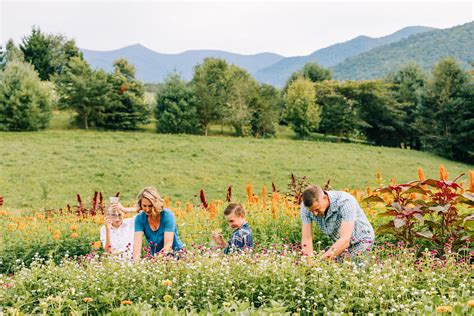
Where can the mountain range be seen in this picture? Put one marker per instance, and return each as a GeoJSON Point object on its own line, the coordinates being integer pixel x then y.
{"type": "Point", "coordinates": [360, 58]}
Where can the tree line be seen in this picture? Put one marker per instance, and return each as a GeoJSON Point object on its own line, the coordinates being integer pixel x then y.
{"type": "Point", "coordinates": [408, 108]}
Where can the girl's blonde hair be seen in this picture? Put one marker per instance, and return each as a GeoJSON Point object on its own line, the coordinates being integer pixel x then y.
{"type": "Point", "coordinates": [151, 194]}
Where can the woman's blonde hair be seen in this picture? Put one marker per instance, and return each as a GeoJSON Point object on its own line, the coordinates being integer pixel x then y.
{"type": "Point", "coordinates": [151, 194]}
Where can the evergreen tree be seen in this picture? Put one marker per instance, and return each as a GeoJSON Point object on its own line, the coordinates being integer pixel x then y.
{"type": "Point", "coordinates": [25, 101]}
{"type": "Point", "coordinates": [85, 91]}
{"type": "Point", "coordinates": [175, 111]}
{"type": "Point", "coordinates": [126, 107]}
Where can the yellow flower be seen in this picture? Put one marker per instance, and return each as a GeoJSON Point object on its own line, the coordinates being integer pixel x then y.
{"type": "Point", "coordinates": [126, 302]}
{"type": "Point", "coordinates": [167, 298]}
{"type": "Point", "coordinates": [74, 235]}
{"type": "Point", "coordinates": [444, 309]}
{"type": "Point", "coordinates": [87, 299]}
{"type": "Point", "coordinates": [166, 283]}
{"type": "Point", "coordinates": [12, 226]}
{"type": "Point", "coordinates": [96, 244]}
{"type": "Point", "coordinates": [470, 303]}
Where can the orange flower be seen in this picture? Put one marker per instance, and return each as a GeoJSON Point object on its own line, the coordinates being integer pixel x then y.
{"type": "Point", "coordinates": [368, 190]}
{"type": "Point", "coordinates": [11, 226]}
{"type": "Point", "coordinates": [189, 207]}
{"type": "Point", "coordinates": [471, 180]}
{"type": "Point", "coordinates": [166, 282]}
{"type": "Point", "coordinates": [167, 202]}
{"type": "Point", "coordinates": [56, 234]}
{"type": "Point", "coordinates": [421, 174]}
{"type": "Point", "coordinates": [444, 309]}
{"type": "Point", "coordinates": [73, 228]}
{"type": "Point", "coordinates": [74, 235]}
{"type": "Point", "coordinates": [212, 210]}
{"type": "Point", "coordinates": [379, 178]}
{"type": "Point", "coordinates": [250, 198]}
{"type": "Point", "coordinates": [264, 197]}
{"type": "Point", "coordinates": [126, 302]}
{"type": "Point", "coordinates": [87, 299]}
{"type": "Point", "coordinates": [21, 226]}
{"type": "Point", "coordinates": [96, 244]}
{"type": "Point", "coordinates": [470, 303]}
{"type": "Point", "coordinates": [40, 216]}
{"type": "Point", "coordinates": [443, 173]}
{"type": "Point", "coordinates": [393, 181]}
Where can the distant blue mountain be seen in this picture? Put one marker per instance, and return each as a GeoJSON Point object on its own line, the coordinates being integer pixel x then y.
{"type": "Point", "coordinates": [278, 73]}
{"type": "Point", "coordinates": [154, 67]}
{"type": "Point", "coordinates": [426, 49]}
{"type": "Point", "coordinates": [274, 69]}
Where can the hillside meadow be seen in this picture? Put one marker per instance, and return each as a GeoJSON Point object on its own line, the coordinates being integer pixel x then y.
{"type": "Point", "coordinates": [43, 170]}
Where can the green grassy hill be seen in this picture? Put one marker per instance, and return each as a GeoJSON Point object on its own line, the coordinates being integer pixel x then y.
{"type": "Point", "coordinates": [46, 169]}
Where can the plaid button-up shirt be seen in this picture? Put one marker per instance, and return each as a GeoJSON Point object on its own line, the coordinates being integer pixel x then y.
{"type": "Point", "coordinates": [343, 207]}
{"type": "Point", "coordinates": [241, 239]}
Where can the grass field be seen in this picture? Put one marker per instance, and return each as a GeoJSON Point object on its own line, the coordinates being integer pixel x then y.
{"type": "Point", "coordinates": [46, 169]}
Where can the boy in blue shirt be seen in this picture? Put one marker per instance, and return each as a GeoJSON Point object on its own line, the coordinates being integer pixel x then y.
{"type": "Point", "coordinates": [242, 236]}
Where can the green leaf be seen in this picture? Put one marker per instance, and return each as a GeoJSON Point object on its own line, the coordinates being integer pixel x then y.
{"type": "Point", "coordinates": [399, 222]}
{"type": "Point", "coordinates": [417, 190]}
{"type": "Point", "coordinates": [373, 198]}
{"type": "Point", "coordinates": [426, 234]}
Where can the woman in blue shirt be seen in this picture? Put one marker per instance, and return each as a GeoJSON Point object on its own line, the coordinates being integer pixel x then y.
{"type": "Point", "coordinates": [157, 223]}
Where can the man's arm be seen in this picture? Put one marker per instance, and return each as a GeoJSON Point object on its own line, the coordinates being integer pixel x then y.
{"type": "Point", "coordinates": [307, 239]}
{"type": "Point", "coordinates": [343, 242]}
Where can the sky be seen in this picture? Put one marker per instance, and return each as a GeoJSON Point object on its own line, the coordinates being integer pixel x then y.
{"type": "Point", "coordinates": [245, 27]}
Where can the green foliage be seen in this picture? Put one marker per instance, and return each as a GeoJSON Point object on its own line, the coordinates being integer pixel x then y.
{"type": "Point", "coordinates": [265, 111]}
{"type": "Point", "coordinates": [381, 116]}
{"type": "Point", "coordinates": [445, 115]}
{"type": "Point", "coordinates": [302, 112]}
{"type": "Point", "coordinates": [48, 53]}
{"type": "Point", "coordinates": [175, 110]}
{"type": "Point", "coordinates": [85, 91]}
{"type": "Point", "coordinates": [9, 54]}
{"type": "Point", "coordinates": [429, 211]}
{"type": "Point", "coordinates": [242, 92]}
{"type": "Point", "coordinates": [126, 107]}
{"type": "Point", "coordinates": [276, 283]}
{"type": "Point", "coordinates": [210, 86]}
{"type": "Point", "coordinates": [339, 113]}
{"type": "Point", "coordinates": [25, 101]}
{"type": "Point", "coordinates": [407, 86]}
{"type": "Point", "coordinates": [311, 71]}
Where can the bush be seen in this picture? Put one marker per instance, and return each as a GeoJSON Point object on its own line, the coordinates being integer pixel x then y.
{"type": "Point", "coordinates": [25, 101]}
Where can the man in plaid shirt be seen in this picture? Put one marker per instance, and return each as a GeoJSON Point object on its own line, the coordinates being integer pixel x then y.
{"type": "Point", "coordinates": [339, 216]}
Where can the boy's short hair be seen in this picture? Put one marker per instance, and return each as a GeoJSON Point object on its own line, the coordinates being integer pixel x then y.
{"type": "Point", "coordinates": [312, 194]}
{"type": "Point", "coordinates": [236, 208]}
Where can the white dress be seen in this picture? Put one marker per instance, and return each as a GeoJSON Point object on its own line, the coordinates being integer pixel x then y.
{"type": "Point", "coordinates": [121, 238]}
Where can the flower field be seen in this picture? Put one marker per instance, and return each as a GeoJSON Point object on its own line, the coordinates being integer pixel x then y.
{"type": "Point", "coordinates": [52, 262]}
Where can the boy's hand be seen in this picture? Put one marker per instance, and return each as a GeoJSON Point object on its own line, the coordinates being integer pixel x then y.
{"type": "Point", "coordinates": [117, 206]}
{"type": "Point", "coordinates": [107, 223]}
